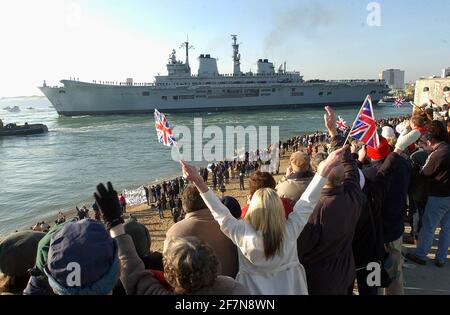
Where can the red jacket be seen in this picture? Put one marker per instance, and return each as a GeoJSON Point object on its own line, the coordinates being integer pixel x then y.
{"type": "Point", "coordinates": [286, 203]}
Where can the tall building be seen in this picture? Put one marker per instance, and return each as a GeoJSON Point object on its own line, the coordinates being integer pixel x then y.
{"type": "Point", "coordinates": [395, 78]}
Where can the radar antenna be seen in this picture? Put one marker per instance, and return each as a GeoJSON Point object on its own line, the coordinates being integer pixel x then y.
{"type": "Point", "coordinates": [236, 56]}
{"type": "Point", "coordinates": [188, 47]}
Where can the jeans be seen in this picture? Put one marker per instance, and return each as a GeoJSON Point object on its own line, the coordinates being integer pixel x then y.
{"type": "Point", "coordinates": [415, 215]}
{"type": "Point", "coordinates": [437, 212]}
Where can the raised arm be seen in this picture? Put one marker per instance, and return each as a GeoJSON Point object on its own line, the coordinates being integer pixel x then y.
{"type": "Point", "coordinates": [382, 181]}
{"type": "Point", "coordinates": [351, 177]}
{"type": "Point", "coordinates": [305, 206]}
{"type": "Point", "coordinates": [135, 279]}
{"type": "Point", "coordinates": [230, 226]}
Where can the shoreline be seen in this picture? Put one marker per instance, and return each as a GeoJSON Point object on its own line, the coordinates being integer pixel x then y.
{"type": "Point", "coordinates": [148, 215]}
{"type": "Point", "coordinates": [69, 213]}
{"type": "Point", "coordinates": [138, 211]}
{"type": "Point", "coordinates": [88, 201]}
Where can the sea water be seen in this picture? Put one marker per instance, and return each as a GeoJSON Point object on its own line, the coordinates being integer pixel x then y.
{"type": "Point", "coordinates": [43, 174]}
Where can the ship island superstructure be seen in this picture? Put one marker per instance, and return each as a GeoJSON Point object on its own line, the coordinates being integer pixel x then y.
{"type": "Point", "coordinates": [209, 90]}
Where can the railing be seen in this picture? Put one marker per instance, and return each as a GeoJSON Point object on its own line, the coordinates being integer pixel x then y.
{"type": "Point", "coordinates": [212, 81]}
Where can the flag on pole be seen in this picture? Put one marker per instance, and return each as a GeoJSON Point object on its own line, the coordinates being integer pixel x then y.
{"type": "Point", "coordinates": [165, 135]}
{"type": "Point", "coordinates": [341, 123]}
{"type": "Point", "coordinates": [399, 102]}
{"type": "Point", "coordinates": [364, 128]}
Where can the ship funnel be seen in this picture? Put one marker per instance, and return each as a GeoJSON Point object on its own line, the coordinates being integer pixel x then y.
{"type": "Point", "coordinates": [265, 67]}
{"type": "Point", "coordinates": [208, 66]}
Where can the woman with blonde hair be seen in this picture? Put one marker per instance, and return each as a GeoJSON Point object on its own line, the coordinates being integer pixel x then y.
{"type": "Point", "coordinates": [267, 241]}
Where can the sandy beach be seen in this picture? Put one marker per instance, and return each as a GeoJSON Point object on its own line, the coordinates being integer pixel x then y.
{"type": "Point", "coordinates": [157, 227]}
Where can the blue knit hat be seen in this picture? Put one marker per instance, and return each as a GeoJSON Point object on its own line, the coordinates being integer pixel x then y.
{"type": "Point", "coordinates": [86, 244]}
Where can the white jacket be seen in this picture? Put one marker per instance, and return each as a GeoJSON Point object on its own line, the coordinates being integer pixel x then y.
{"type": "Point", "coordinates": [282, 274]}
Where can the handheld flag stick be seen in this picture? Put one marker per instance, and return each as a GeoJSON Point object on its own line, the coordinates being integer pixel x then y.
{"type": "Point", "coordinates": [364, 128]}
{"type": "Point", "coordinates": [346, 140]}
{"type": "Point", "coordinates": [349, 131]}
{"type": "Point", "coordinates": [413, 105]}
{"type": "Point", "coordinates": [164, 131]}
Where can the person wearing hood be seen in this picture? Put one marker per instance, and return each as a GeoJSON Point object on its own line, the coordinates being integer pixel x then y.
{"type": "Point", "coordinates": [82, 260]}
{"type": "Point", "coordinates": [17, 256]}
{"type": "Point", "coordinates": [143, 242]}
{"type": "Point", "coordinates": [38, 283]}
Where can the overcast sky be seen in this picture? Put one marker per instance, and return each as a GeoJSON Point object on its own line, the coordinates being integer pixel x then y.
{"type": "Point", "coordinates": [112, 39]}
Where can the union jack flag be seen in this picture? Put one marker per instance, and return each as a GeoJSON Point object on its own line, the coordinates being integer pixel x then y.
{"type": "Point", "coordinates": [341, 123]}
{"type": "Point", "coordinates": [365, 128]}
{"type": "Point", "coordinates": [165, 135]}
{"type": "Point", "coordinates": [399, 102]}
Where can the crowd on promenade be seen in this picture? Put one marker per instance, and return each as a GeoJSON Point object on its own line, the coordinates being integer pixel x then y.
{"type": "Point", "coordinates": [338, 209]}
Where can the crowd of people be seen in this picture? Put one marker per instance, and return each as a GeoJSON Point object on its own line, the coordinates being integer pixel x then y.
{"type": "Point", "coordinates": [167, 196]}
{"type": "Point", "coordinates": [339, 208]}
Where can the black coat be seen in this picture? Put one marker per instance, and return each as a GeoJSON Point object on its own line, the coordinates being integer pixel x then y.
{"type": "Point", "coordinates": [393, 209]}
{"type": "Point", "coordinates": [325, 244]}
{"type": "Point", "coordinates": [368, 242]}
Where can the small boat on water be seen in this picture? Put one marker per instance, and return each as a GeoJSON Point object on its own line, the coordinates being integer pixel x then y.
{"type": "Point", "coordinates": [392, 99]}
{"type": "Point", "coordinates": [25, 130]}
{"type": "Point", "coordinates": [14, 109]}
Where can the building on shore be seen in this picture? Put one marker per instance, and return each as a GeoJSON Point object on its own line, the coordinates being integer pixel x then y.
{"type": "Point", "coordinates": [395, 78]}
{"type": "Point", "coordinates": [433, 90]}
{"type": "Point", "coordinates": [446, 72]}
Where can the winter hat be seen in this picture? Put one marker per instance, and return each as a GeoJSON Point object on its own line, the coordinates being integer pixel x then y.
{"type": "Point", "coordinates": [300, 160]}
{"type": "Point", "coordinates": [18, 253]}
{"type": "Point", "coordinates": [87, 245]}
{"type": "Point", "coordinates": [140, 235]}
{"type": "Point", "coordinates": [381, 152]}
{"type": "Point", "coordinates": [44, 245]}
{"type": "Point", "coordinates": [233, 205]}
{"type": "Point", "coordinates": [388, 132]}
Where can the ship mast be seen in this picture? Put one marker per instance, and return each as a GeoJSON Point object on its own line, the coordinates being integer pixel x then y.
{"type": "Point", "coordinates": [236, 56]}
{"type": "Point", "coordinates": [187, 47]}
